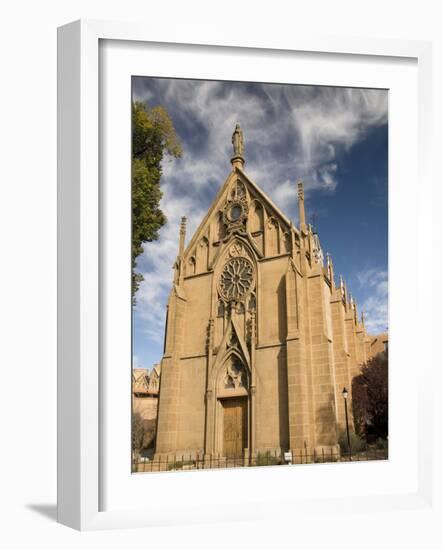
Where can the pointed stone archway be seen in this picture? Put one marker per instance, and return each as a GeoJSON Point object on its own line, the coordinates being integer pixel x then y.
{"type": "Point", "coordinates": [231, 426]}
{"type": "Point", "coordinates": [229, 409]}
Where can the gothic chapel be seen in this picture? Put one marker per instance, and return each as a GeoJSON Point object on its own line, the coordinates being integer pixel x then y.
{"type": "Point", "coordinates": [259, 340]}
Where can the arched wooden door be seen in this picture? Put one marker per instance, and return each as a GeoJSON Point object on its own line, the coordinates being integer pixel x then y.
{"type": "Point", "coordinates": [235, 426]}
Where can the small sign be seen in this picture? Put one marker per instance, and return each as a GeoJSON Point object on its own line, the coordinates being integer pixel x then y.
{"type": "Point", "coordinates": [288, 456]}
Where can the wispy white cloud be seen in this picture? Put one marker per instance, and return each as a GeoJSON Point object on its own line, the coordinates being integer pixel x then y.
{"type": "Point", "coordinates": [375, 281]}
{"type": "Point", "coordinates": [290, 131]}
{"type": "Point", "coordinates": [327, 175]}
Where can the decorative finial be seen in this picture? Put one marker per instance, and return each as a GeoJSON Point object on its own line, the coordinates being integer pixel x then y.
{"type": "Point", "coordinates": [330, 267]}
{"type": "Point", "coordinates": [301, 206]}
{"type": "Point", "coordinates": [300, 191]}
{"type": "Point", "coordinates": [181, 247]}
{"type": "Point", "coordinates": [238, 147]}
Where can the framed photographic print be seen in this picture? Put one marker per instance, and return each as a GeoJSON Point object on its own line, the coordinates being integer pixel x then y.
{"type": "Point", "coordinates": [254, 344]}
{"type": "Point", "coordinates": [234, 224]}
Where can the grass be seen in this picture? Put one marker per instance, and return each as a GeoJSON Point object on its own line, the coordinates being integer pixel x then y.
{"type": "Point", "coordinates": [178, 465]}
{"type": "Point", "coordinates": [267, 459]}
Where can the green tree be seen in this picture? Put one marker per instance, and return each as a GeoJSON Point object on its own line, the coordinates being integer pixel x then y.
{"type": "Point", "coordinates": [138, 433]}
{"type": "Point", "coordinates": [153, 136]}
{"type": "Point", "coordinates": [370, 398]}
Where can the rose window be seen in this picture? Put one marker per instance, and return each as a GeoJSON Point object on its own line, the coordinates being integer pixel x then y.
{"type": "Point", "coordinates": [236, 279]}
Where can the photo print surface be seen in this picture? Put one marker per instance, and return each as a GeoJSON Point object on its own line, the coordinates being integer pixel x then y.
{"type": "Point", "coordinates": [259, 274]}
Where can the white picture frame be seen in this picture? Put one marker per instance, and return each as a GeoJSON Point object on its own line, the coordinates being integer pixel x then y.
{"type": "Point", "coordinates": [80, 414]}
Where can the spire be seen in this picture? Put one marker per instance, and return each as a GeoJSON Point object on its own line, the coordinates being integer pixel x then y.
{"type": "Point", "coordinates": [181, 247]}
{"type": "Point", "coordinates": [363, 318]}
{"type": "Point", "coordinates": [317, 251]}
{"type": "Point", "coordinates": [301, 206]}
{"type": "Point", "coordinates": [330, 267]}
{"type": "Point", "coordinates": [345, 294]}
{"type": "Point", "coordinates": [178, 265]}
{"type": "Point", "coordinates": [342, 287]}
{"type": "Point", "coordinates": [238, 146]}
{"type": "Point", "coordinates": [354, 309]}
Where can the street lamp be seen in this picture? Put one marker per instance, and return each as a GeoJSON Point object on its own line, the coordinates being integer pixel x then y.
{"type": "Point", "coordinates": [345, 397]}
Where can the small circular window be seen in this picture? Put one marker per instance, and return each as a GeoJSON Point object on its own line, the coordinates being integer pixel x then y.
{"type": "Point", "coordinates": [235, 212]}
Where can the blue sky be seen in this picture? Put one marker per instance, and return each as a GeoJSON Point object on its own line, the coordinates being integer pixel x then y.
{"type": "Point", "coordinates": [333, 139]}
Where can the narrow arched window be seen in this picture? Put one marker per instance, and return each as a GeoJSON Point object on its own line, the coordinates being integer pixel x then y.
{"type": "Point", "coordinates": [220, 309]}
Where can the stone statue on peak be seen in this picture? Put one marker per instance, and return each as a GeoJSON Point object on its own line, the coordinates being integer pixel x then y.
{"type": "Point", "coordinates": [237, 141]}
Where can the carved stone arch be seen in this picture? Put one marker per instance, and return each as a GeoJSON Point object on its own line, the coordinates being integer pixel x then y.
{"type": "Point", "coordinates": [238, 190]}
{"type": "Point", "coordinates": [256, 224]}
{"type": "Point", "coordinates": [237, 256]}
{"type": "Point", "coordinates": [202, 255]}
{"type": "Point", "coordinates": [245, 243]}
{"type": "Point", "coordinates": [272, 237]}
{"type": "Point", "coordinates": [233, 375]}
{"type": "Point", "coordinates": [231, 343]}
{"type": "Point", "coordinates": [287, 242]}
{"type": "Point", "coordinates": [237, 247]}
{"type": "Point", "coordinates": [246, 239]}
{"type": "Point", "coordinates": [230, 383]}
{"type": "Point", "coordinates": [220, 228]}
{"type": "Point", "coordinates": [190, 267]}
{"type": "Point", "coordinates": [256, 217]}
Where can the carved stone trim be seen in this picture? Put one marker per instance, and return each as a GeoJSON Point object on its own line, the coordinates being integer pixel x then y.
{"type": "Point", "coordinates": [235, 211]}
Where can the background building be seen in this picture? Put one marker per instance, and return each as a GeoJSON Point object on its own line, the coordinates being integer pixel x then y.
{"type": "Point", "coordinates": [145, 388]}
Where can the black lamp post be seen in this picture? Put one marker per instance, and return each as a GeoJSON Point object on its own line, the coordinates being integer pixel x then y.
{"type": "Point", "coordinates": [345, 397]}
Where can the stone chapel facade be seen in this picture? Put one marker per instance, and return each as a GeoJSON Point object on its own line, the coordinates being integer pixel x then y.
{"type": "Point", "coordinates": [259, 339]}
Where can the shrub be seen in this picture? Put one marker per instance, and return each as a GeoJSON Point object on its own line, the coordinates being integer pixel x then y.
{"type": "Point", "coordinates": [358, 444]}
{"type": "Point", "coordinates": [175, 465]}
{"type": "Point", "coordinates": [266, 459]}
{"type": "Point", "coordinates": [149, 433]}
{"type": "Point", "coordinates": [143, 433]}
{"type": "Point", "coordinates": [178, 465]}
{"type": "Point", "coordinates": [137, 434]}
{"type": "Point", "coordinates": [381, 444]}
